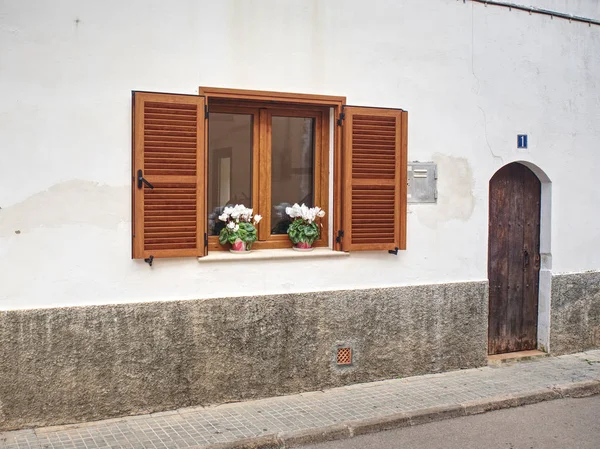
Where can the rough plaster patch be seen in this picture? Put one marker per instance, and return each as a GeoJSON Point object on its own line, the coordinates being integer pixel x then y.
{"type": "Point", "coordinates": [456, 200]}
{"type": "Point", "coordinates": [69, 202]}
{"type": "Point", "coordinates": [575, 312]}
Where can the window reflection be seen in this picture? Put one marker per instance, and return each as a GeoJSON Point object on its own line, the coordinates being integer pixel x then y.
{"type": "Point", "coordinates": [292, 167]}
{"type": "Point", "coordinates": [229, 164]}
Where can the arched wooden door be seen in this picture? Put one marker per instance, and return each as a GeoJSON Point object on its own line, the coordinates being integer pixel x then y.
{"type": "Point", "coordinates": [513, 259]}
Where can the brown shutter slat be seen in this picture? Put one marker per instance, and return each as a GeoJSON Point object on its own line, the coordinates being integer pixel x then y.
{"type": "Point", "coordinates": [374, 177]}
{"type": "Point", "coordinates": [169, 148]}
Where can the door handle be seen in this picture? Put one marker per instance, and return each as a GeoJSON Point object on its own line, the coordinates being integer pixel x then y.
{"type": "Point", "coordinates": [141, 180]}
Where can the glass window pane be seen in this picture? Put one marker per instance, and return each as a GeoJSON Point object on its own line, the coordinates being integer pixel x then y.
{"type": "Point", "coordinates": [229, 164]}
{"type": "Point", "coordinates": [292, 167]}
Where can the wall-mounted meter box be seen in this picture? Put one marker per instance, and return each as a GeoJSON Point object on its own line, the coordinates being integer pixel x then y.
{"type": "Point", "coordinates": [422, 182]}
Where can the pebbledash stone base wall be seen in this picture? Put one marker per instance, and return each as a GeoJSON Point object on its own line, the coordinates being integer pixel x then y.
{"type": "Point", "coordinates": [74, 364]}
{"type": "Point", "coordinates": [575, 312]}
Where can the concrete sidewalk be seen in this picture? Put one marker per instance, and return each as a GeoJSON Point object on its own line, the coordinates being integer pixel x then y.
{"type": "Point", "coordinates": [333, 414]}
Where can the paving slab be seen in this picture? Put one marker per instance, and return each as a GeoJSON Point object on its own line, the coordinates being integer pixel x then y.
{"type": "Point", "coordinates": [294, 420]}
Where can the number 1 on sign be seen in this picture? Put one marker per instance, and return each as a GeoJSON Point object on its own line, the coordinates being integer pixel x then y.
{"type": "Point", "coordinates": [522, 141]}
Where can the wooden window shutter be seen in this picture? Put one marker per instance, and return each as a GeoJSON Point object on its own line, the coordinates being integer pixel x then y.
{"type": "Point", "coordinates": [169, 177]}
{"type": "Point", "coordinates": [374, 179]}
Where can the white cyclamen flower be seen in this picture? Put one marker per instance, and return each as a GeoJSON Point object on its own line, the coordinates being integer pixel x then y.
{"type": "Point", "coordinates": [304, 211]}
{"type": "Point", "coordinates": [236, 228]}
{"type": "Point", "coordinates": [239, 211]}
{"type": "Point", "coordinates": [318, 212]}
{"type": "Point", "coordinates": [231, 225]}
{"type": "Point", "coordinates": [247, 214]}
{"type": "Point", "coordinates": [295, 211]}
{"type": "Point", "coordinates": [223, 217]}
{"type": "Point", "coordinates": [257, 218]}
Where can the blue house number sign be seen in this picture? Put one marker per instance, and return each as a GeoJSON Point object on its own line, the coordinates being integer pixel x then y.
{"type": "Point", "coordinates": [522, 141]}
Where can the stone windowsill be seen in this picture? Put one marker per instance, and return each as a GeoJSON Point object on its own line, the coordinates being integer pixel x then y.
{"type": "Point", "coordinates": [272, 254]}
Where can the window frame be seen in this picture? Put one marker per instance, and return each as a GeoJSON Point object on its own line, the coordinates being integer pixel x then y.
{"type": "Point", "coordinates": [262, 113]}
{"type": "Point", "coordinates": [337, 103]}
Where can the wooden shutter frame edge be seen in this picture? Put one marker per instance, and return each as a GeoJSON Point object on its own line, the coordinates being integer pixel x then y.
{"type": "Point", "coordinates": [404, 181]}
{"type": "Point", "coordinates": [133, 186]}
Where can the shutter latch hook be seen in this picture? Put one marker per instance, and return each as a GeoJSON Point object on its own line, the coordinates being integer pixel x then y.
{"type": "Point", "coordinates": [141, 180]}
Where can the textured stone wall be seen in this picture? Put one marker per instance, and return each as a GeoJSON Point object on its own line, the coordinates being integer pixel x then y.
{"type": "Point", "coordinates": [575, 309]}
{"type": "Point", "coordinates": [85, 363]}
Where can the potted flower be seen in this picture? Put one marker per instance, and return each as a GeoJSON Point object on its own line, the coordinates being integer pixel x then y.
{"type": "Point", "coordinates": [239, 230]}
{"type": "Point", "coordinates": [304, 230]}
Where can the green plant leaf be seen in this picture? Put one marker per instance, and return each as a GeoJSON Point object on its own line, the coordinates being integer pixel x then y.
{"type": "Point", "coordinates": [302, 231]}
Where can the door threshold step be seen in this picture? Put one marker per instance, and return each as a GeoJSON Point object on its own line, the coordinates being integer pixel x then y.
{"type": "Point", "coordinates": [512, 357]}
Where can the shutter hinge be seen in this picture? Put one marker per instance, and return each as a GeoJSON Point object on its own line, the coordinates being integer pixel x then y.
{"type": "Point", "coordinates": [340, 234]}
{"type": "Point", "coordinates": [149, 260]}
{"type": "Point", "coordinates": [205, 111]}
{"type": "Point", "coordinates": [205, 240]}
{"type": "Point", "coordinates": [341, 119]}
{"type": "Point", "coordinates": [393, 251]}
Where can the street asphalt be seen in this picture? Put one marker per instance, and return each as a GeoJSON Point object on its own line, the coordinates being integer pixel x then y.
{"type": "Point", "coordinates": [560, 424]}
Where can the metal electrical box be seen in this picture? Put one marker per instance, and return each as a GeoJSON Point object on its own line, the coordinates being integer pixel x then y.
{"type": "Point", "coordinates": [422, 182]}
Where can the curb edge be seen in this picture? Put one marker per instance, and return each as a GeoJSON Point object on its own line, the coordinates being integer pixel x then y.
{"type": "Point", "coordinates": [366, 426]}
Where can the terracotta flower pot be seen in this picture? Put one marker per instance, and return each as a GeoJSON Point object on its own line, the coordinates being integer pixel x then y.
{"type": "Point", "coordinates": [303, 246]}
{"type": "Point", "coordinates": [238, 247]}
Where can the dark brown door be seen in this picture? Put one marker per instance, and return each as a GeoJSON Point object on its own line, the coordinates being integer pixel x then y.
{"type": "Point", "coordinates": [513, 259]}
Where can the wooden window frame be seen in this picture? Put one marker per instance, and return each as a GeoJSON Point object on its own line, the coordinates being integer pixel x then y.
{"type": "Point", "coordinates": [262, 114]}
{"type": "Point", "coordinates": [288, 104]}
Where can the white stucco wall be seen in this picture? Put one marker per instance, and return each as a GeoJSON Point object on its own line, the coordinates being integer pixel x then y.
{"type": "Point", "coordinates": [472, 78]}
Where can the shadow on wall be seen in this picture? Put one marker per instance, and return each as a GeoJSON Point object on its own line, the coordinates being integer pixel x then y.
{"type": "Point", "coordinates": [70, 202]}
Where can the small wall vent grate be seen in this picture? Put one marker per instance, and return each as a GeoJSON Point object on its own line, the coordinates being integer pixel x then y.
{"type": "Point", "coordinates": [344, 356]}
